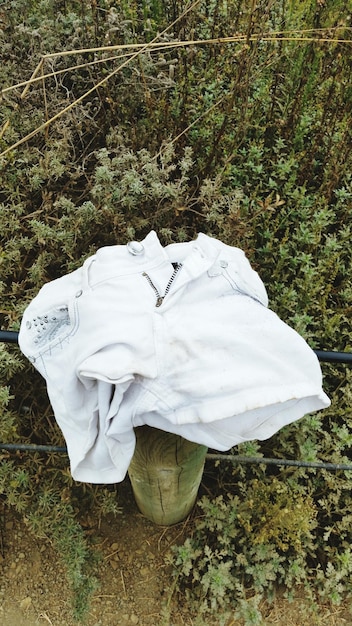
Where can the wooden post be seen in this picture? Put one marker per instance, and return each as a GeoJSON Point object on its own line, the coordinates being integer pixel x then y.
{"type": "Point", "coordinates": [165, 473]}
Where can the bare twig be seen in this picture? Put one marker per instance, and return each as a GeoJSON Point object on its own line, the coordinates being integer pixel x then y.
{"type": "Point", "coordinates": [123, 583]}
{"type": "Point", "coordinates": [200, 117]}
{"type": "Point", "coordinates": [45, 100]}
{"type": "Point", "coordinates": [273, 36]}
{"type": "Point", "coordinates": [99, 84]}
{"type": "Point", "coordinates": [22, 96]}
{"type": "Point", "coordinates": [156, 47]}
{"type": "Point", "coordinates": [288, 36]}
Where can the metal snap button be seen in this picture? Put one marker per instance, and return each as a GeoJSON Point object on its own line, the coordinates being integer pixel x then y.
{"type": "Point", "coordinates": [199, 250]}
{"type": "Point", "coordinates": [135, 247]}
{"type": "Point", "coordinates": [214, 271]}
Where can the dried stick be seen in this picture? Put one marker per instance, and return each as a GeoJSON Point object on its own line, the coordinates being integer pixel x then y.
{"type": "Point", "coordinates": [149, 46]}
{"type": "Point", "coordinates": [95, 87]}
{"type": "Point", "coordinates": [153, 46]}
{"type": "Point", "coordinates": [22, 96]}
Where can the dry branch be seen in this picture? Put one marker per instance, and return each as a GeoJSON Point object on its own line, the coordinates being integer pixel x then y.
{"type": "Point", "coordinates": [154, 45]}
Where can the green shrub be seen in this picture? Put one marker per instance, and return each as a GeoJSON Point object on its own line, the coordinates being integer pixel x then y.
{"type": "Point", "coordinates": [252, 542]}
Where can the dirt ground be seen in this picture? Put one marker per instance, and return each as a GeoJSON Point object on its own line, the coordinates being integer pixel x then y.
{"type": "Point", "coordinates": [134, 580]}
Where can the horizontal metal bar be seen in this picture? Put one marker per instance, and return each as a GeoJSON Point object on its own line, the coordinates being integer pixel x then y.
{"type": "Point", "coordinates": [232, 458]}
{"type": "Point", "coordinates": [31, 447]}
{"type": "Point", "coordinates": [328, 356]}
{"type": "Point", "coordinates": [9, 336]}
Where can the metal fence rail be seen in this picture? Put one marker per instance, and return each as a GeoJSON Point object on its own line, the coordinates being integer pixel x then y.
{"type": "Point", "coordinates": [9, 336]}
{"type": "Point", "coordinates": [327, 356]}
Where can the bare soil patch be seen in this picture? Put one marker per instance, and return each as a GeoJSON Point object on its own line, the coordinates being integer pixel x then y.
{"type": "Point", "coordinates": [134, 580]}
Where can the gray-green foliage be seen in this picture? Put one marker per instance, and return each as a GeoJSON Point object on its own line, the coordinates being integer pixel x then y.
{"type": "Point", "coordinates": [265, 164]}
{"type": "Point", "coordinates": [248, 543]}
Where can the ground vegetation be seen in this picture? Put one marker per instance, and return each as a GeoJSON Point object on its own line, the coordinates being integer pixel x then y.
{"type": "Point", "coordinates": [231, 118]}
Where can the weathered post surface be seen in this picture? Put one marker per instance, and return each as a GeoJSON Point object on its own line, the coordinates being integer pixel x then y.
{"type": "Point", "coordinates": [165, 473]}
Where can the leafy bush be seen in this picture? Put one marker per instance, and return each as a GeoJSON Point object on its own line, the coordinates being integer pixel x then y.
{"type": "Point", "coordinates": [253, 543]}
{"type": "Point", "coordinates": [263, 536]}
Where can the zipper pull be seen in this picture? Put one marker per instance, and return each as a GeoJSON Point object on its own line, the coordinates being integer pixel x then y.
{"type": "Point", "coordinates": [159, 301]}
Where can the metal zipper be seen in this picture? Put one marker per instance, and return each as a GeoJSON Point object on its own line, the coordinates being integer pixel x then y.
{"type": "Point", "coordinates": [159, 297]}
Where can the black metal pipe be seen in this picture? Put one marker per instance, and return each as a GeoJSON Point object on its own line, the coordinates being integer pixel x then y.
{"type": "Point", "coordinates": [327, 356]}
{"type": "Point", "coordinates": [31, 447]}
{"type": "Point", "coordinates": [232, 458]}
{"type": "Point", "coordinates": [9, 336]}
